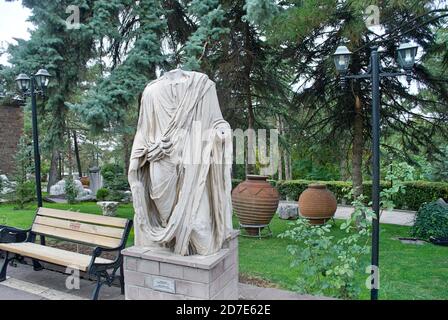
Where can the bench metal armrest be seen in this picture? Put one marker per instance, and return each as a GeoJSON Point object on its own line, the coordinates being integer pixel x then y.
{"type": "Point", "coordinates": [93, 266]}
{"type": "Point", "coordinates": [11, 234]}
{"type": "Point", "coordinates": [97, 253]}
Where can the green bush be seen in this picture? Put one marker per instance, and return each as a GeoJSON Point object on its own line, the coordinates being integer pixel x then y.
{"type": "Point", "coordinates": [113, 177]}
{"type": "Point", "coordinates": [416, 192]}
{"type": "Point", "coordinates": [291, 190]}
{"type": "Point", "coordinates": [329, 266]}
{"type": "Point", "coordinates": [105, 194]}
{"type": "Point", "coordinates": [431, 221]}
{"type": "Point", "coordinates": [115, 195]}
{"type": "Point", "coordinates": [420, 192]}
{"type": "Point", "coordinates": [102, 194]}
{"type": "Point", "coordinates": [25, 192]}
{"type": "Point", "coordinates": [24, 186]}
{"type": "Point", "coordinates": [235, 182]}
{"type": "Point", "coordinates": [71, 192]}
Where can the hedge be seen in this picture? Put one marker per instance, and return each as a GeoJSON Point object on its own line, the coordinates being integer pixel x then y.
{"type": "Point", "coordinates": [417, 192]}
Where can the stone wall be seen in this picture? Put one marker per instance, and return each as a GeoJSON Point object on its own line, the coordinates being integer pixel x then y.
{"type": "Point", "coordinates": [152, 275]}
{"type": "Point", "coordinates": [11, 128]}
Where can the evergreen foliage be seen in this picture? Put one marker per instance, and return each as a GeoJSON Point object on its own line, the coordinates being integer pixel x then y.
{"type": "Point", "coordinates": [24, 185]}
{"type": "Point", "coordinates": [431, 221]}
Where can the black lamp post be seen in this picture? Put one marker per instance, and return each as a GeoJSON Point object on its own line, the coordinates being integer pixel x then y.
{"type": "Point", "coordinates": [28, 87]}
{"type": "Point", "coordinates": [406, 57]}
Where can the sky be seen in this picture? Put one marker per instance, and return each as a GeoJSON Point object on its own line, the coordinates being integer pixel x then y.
{"type": "Point", "coordinates": [13, 24]}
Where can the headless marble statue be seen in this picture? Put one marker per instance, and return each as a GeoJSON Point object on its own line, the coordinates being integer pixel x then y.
{"type": "Point", "coordinates": [180, 166]}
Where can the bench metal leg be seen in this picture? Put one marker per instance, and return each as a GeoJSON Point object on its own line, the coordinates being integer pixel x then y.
{"type": "Point", "coordinates": [4, 267]}
{"type": "Point", "coordinates": [122, 277]}
{"type": "Point", "coordinates": [98, 287]}
{"type": "Point", "coordinates": [37, 266]}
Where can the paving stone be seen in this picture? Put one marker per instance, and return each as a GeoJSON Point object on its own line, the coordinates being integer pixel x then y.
{"type": "Point", "coordinates": [7, 293]}
{"type": "Point", "coordinates": [51, 282]}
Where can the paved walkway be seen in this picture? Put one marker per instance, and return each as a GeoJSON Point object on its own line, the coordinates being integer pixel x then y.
{"type": "Point", "coordinates": [398, 217]}
{"type": "Point", "coordinates": [25, 284]}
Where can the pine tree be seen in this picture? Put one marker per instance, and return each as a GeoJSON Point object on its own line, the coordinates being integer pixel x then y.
{"type": "Point", "coordinates": [64, 53]}
{"type": "Point", "coordinates": [310, 31]}
{"type": "Point", "coordinates": [24, 185]}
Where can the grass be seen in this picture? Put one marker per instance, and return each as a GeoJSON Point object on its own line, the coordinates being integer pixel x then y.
{"type": "Point", "coordinates": [407, 271]}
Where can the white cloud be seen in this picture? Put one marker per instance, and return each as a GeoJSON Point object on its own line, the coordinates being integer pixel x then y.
{"type": "Point", "coordinates": [13, 24]}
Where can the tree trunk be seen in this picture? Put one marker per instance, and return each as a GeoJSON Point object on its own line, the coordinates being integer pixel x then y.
{"type": "Point", "coordinates": [250, 167]}
{"type": "Point", "coordinates": [69, 154]}
{"type": "Point", "coordinates": [343, 168]}
{"type": "Point", "coordinates": [280, 132]}
{"type": "Point", "coordinates": [78, 160]}
{"type": "Point", "coordinates": [287, 165]}
{"type": "Point", "coordinates": [61, 166]}
{"type": "Point", "coordinates": [127, 148]}
{"type": "Point", "coordinates": [54, 174]}
{"type": "Point", "coordinates": [358, 146]}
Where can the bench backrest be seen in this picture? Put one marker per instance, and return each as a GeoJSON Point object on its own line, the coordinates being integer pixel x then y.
{"type": "Point", "coordinates": [90, 229]}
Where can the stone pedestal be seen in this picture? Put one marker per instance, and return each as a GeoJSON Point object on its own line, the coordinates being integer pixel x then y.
{"type": "Point", "coordinates": [160, 275]}
{"type": "Point", "coordinates": [109, 208]}
{"type": "Point", "coordinates": [288, 210]}
{"type": "Point", "coordinates": [95, 180]}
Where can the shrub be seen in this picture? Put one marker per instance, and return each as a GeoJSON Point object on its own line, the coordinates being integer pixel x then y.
{"type": "Point", "coordinates": [115, 195]}
{"type": "Point", "coordinates": [71, 192]}
{"type": "Point", "coordinates": [102, 194]}
{"type": "Point", "coordinates": [24, 193]}
{"type": "Point", "coordinates": [417, 192]}
{"type": "Point", "coordinates": [24, 187]}
{"type": "Point", "coordinates": [420, 192]}
{"type": "Point", "coordinates": [329, 266]}
{"type": "Point", "coordinates": [431, 220]}
{"type": "Point", "coordinates": [113, 177]}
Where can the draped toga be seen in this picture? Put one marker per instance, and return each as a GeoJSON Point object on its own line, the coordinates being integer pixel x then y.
{"type": "Point", "coordinates": [180, 166]}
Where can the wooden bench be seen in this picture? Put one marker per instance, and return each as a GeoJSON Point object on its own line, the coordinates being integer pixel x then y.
{"type": "Point", "coordinates": [105, 234]}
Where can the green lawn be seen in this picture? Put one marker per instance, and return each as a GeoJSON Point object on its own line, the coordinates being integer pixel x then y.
{"type": "Point", "coordinates": [407, 271]}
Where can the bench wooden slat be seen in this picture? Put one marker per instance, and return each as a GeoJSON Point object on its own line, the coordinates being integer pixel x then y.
{"type": "Point", "coordinates": [83, 217]}
{"type": "Point", "coordinates": [81, 227]}
{"type": "Point", "coordinates": [52, 255]}
{"type": "Point", "coordinates": [76, 236]}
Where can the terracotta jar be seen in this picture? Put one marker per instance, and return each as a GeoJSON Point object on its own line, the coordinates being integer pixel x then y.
{"type": "Point", "coordinates": [85, 181]}
{"type": "Point", "coordinates": [317, 204]}
{"type": "Point", "coordinates": [255, 202]}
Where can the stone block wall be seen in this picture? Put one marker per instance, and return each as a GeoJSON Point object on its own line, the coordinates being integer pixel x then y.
{"type": "Point", "coordinates": [11, 128]}
{"type": "Point", "coordinates": [192, 278]}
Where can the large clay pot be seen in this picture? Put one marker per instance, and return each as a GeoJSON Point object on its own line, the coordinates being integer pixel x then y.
{"type": "Point", "coordinates": [85, 181]}
{"type": "Point", "coordinates": [255, 202]}
{"type": "Point", "coordinates": [317, 204]}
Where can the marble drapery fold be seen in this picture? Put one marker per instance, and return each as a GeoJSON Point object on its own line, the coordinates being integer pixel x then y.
{"type": "Point", "coordinates": [180, 166]}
